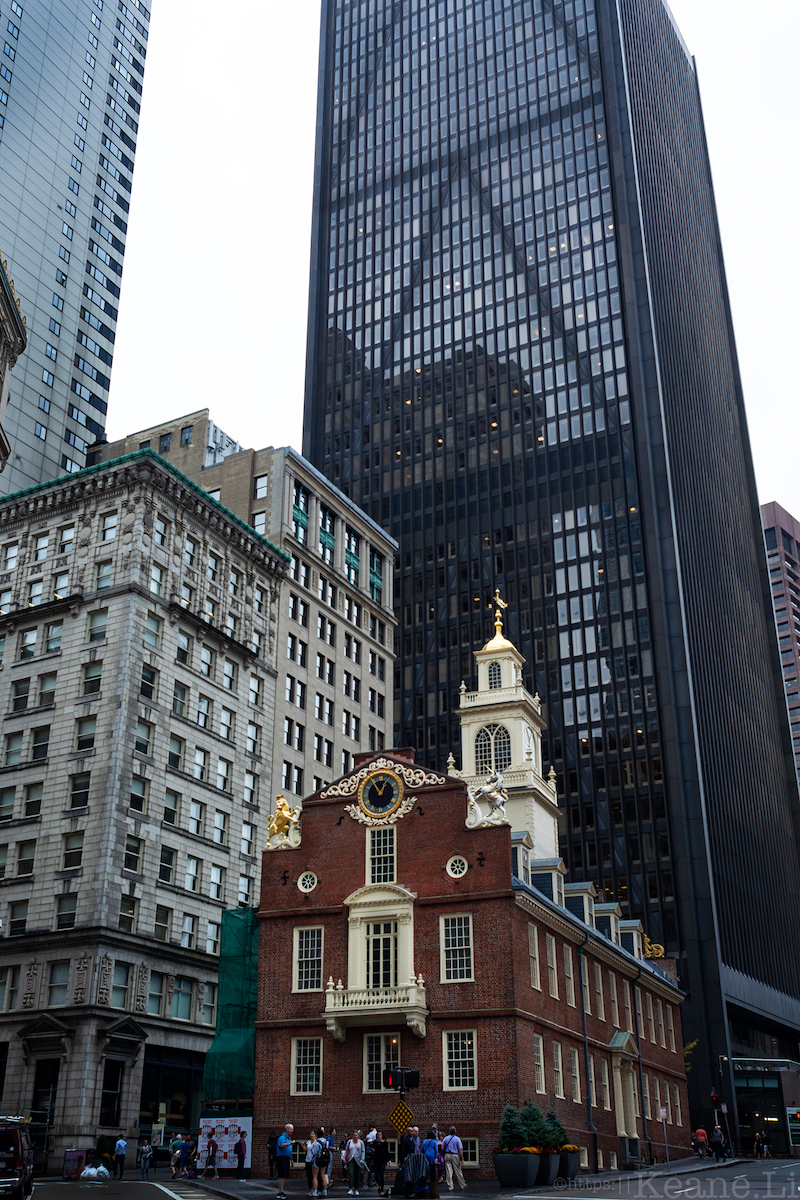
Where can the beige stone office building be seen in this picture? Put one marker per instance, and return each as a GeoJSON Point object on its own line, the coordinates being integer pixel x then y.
{"type": "Point", "coordinates": [138, 698]}
{"type": "Point", "coordinates": [13, 340]}
{"type": "Point", "coordinates": [335, 627]}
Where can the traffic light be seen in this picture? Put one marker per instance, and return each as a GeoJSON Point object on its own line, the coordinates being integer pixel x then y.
{"type": "Point", "coordinates": [714, 1096]}
{"type": "Point", "coordinates": [400, 1078]}
{"type": "Point", "coordinates": [412, 1079]}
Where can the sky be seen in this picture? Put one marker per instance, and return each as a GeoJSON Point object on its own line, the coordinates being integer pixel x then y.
{"type": "Point", "coordinates": [214, 300]}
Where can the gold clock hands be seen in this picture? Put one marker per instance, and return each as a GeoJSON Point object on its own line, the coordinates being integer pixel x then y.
{"type": "Point", "coordinates": [380, 790]}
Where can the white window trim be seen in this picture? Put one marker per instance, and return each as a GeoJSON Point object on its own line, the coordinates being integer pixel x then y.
{"type": "Point", "coordinates": [471, 1166]}
{"type": "Point", "coordinates": [538, 1071]}
{"type": "Point", "coordinates": [381, 1033]}
{"type": "Point", "coordinates": [558, 1058]}
{"type": "Point", "coordinates": [445, 1085]}
{"type": "Point", "coordinates": [533, 954]}
{"type": "Point", "coordinates": [296, 960]}
{"type": "Point", "coordinates": [292, 1082]}
{"type": "Point", "coordinates": [368, 858]}
{"type": "Point", "coordinates": [552, 962]}
{"type": "Point", "coordinates": [442, 958]}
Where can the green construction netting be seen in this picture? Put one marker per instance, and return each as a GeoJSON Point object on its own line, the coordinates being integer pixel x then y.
{"type": "Point", "coordinates": [230, 1063]}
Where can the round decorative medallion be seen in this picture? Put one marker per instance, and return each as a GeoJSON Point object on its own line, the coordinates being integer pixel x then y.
{"type": "Point", "coordinates": [307, 881]}
{"type": "Point", "coordinates": [380, 794]}
{"type": "Point", "coordinates": [457, 866]}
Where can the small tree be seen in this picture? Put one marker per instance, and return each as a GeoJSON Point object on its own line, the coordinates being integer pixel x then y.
{"type": "Point", "coordinates": [512, 1130]}
{"type": "Point", "coordinates": [558, 1134]}
{"type": "Point", "coordinates": [536, 1127]}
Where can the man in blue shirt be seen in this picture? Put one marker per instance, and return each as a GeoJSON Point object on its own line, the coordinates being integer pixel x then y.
{"type": "Point", "coordinates": [283, 1155]}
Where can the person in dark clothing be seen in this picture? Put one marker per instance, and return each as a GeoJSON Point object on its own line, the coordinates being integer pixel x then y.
{"type": "Point", "coordinates": [240, 1150]}
{"type": "Point", "coordinates": [380, 1157]}
{"type": "Point", "coordinates": [717, 1143]}
{"type": "Point", "coordinates": [272, 1145]}
{"type": "Point", "coordinates": [407, 1146]}
{"type": "Point", "coordinates": [415, 1172]}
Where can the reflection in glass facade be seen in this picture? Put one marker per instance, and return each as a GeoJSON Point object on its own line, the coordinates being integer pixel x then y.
{"type": "Point", "coordinates": [71, 81]}
{"type": "Point", "coordinates": [521, 363]}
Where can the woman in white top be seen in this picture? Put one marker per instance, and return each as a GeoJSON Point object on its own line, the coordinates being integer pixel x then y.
{"type": "Point", "coordinates": [355, 1163]}
{"type": "Point", "coordinates": [313, 1148]}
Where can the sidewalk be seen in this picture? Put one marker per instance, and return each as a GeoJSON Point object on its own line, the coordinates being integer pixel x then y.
{"type": "Point", "coordinates": [297, 1186]}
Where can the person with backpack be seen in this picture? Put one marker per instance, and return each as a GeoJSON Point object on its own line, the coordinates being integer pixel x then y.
{"type": "Point", "coordinates": [240, 1150]}
{"type": "Point", "coordinates": [453, 1150]}
{"type": "Point", "coordinates": [430, 1148]}
{"type": "Point", "coordinates": [323, 1163]}
{"type": "Point", "coordinates": [313, 1148]}
{"type": "Point", "coordinates": [212, 1149]}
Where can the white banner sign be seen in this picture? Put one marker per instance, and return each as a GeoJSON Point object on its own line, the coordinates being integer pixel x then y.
{"type": "Point", "coordinates": [225, 1132]}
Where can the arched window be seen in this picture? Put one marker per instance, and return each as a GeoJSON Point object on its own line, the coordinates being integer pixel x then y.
{"type": "Point", "coordinates": [492, 749]}
{"type": "Point", "coordinates": [495, 676]}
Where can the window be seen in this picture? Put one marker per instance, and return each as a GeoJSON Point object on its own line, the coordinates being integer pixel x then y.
{"type": "Point", "coordinates": [152, 631]}
{"type": "Point", "coordinates": [250, 788]}
{"type": "Point", "coordinates": [558, 1071]}
{"type": "Point", "coordinates": [40, 743]}
{"type": "Point", "coordinates": [26, 853]}
{"type": "Point", "coordinates": [186, 435]}
{"type": "Point", "coordinates": [61, 585]}
{"type": "Point", "coordinates": [59, 984]}
{"type": "Point", "coordinates": [575, 1071]}
{"type": "Point", "coordinates": [255, 691]}
{"type": "Point", "coordinates": [306, 1066]}
{"type": "Point", "coordinates": [138, 794]}
{"type": "Point", "coordinates": [583, 964]}
{"type": "Point", "coordinates": [184, 651]}
{"type": "Point", "coordinates": [85, 729]}
{"type": "Point", "coordinates": [191, 879]}
{"type": "Point", "coordinates": [187, 596]}
{"type": "Point", "coordinates": [53, 637]}
{"type": "Point", "coordinates": [171, 807]}
{"type": "Point", "coordinates": [6, 596]}
{"type": "Point", "coordinates": [605, 1086]}
{"type": "Point", "coordinates": [149, 684]}
{"type": "Point", "coordinates": [189, 551]}
{"type": "Point", "coordinates": [492, 749]}
{"type": "Point", "coordinates": [127, 914]}
{"type": "Point", "coordinates": [188, 931]}
{"type": "Point", "coordinates": [352, 548]}
{"type": "Point", "coordinates": [552, 971]}
{"type": "Point", "coordinates": [455, 939]}
{"type": "Point", "coordinates": [200, 767]}
{"type": "Point", "coordinates": [234, 583]}
{"type": "Point", "coordinates": [662, 1036]}
{"type": "Point", "coordinates": [225, 773]}
{"type": "Point", "coordinates": [327, 539]}
{"type": "Point", "coordinates": [104, 575]}
{"type": "Point", "coordinates": [308, 959]}
{"type": "Point", "coordinates": [245, 889]}
{"type": "Point", "coordinates": [248, 839]}
{"type": "Point", "coordinates": [207, 662]}
{"type": "Point", "coordinates": [671, 1032]}
{"type": "Point", "coordinates": [27, 643]}
{"type": "Point", "coordinates": [7, 796]}
{"type": "Point", "coordinates": [73, 851]}
{"type": "Point", "coordinates": [598, 990]}
{"type": "Point", "coordinates": [569, 978]}
{"type": "Point", "coordinates": [156, 579]}
{"type": "Point", "coordinates": [17, 918]}
{"type": "Point", "coordinates": [254, 738]}
{"type": "Point", "coordinates": [119, 985]}
{"type": "Point", "coordinates": [381, 855]}
{"type": "Point", "coordinates": [160, 528]}
{"type": "Point", "coordinates": [229, 679]}
{"type": "Point", "coordinates": [533, 953]}
{"type": "Point", "coordinates": [164, 443]}
{"type": "Point", "coordinates": [612, 991]}
{"type": "Point", "coordinates": [646, 1095]}
{"type": "Point", "coordinates": [210, 611]}
{"type": "Point", "coordinates": [208, 1011]}
{"type": "Point", "coordinates": [626, 992]}
{"type": "Point", "coordinates": [538, 1062]}
{"type": "Point", "coordinates": [163, 922]}
{"type": "Point", "coordinates": [216, 888]}
{"type": "Point", "coordinates": [109, 527]}
{"type": "Point", "coordinates": [220, 834]}
{"type": "Point", "coordinates": [197, 818]}
{"type": "Point", "coordinates": [79, 791]}
{"type": "Point", "coordinates": [155, 990]}
{"type": "Point", "coordinates": [182, 999]}
{"type": "Point", "coordinates": [177, 747]}
{"type": "Point", "coordinates": [226, 719]}
{"type": "Point", "coordinates": [10, 553]}
{"type": "Point", "coordinates": [300, 513]}
{"type": "Point", "coordinates": [13, 750]}
{"type": "Point", "coordinates": [66, 539]}
{"type": "Point", "coordinates": [144, 733]}
{"type": "Point", "coordinates": [65, 911]}
{"type": "Point", "coordinates": [376, 576]}
{"type": "Point", "coordinates": [259, 523]}
{"type": "Point", "coordinates": [20, 691]}
{"type": "Point", "coordinates": [460, 1071]}
{"type": "Point", "coordinates": [678, 1113]}
{"type": "Point", "coordinates": [381, 1051]}
{"type": "Point", "coordinates": [33, 799]}
{"type": "Point", "coordinates": [35, 593]}
{"type": "Point", "coordinates": [133, 854]}
{"type": "Point", "coordinates": [651, 1025]}
{"type": "Point", "coordinates": [98, 622]}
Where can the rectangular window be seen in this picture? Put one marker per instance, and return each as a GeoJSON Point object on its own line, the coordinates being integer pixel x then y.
{"type": "Point", "coordinates": [208, 1011]}
{"type": "Point", "coordinates": [646, 1095]}
{"type": "Point", "coordinates": [73, 851]}
{"type": "Point", "coordinates": [33, 799]}
{"type": "Point", "coordinates": [59, 984]}
{"type": "Point", "coordinates": [538, 1062]}
{"type": "Point", "coordinates": [163, 922]}
{"type": "Point", "coordinates": [381, 1051]}
{"type": "Point", "coordinates": [381, 855]}
{"type": "Point", "coordinates": [7, 803]}
{"type": "Point", "coordinates": [651, 1024]}
{"type": "Point", "coordinates": [175, 754]}
{"type": "Point", "coordinates": [533, 954]}
{"type": "Point", "coordinates": [127, 914]}
{"type": "Point", "coordinates": [40, 743]}
{"type": "Point", "coordinates": [26, 852]}
{"type": "Point", "coordinates": [13, 750]}
{"type": "Point", "coordinates": [133, 854]}
{"type": "Point", "coordinates": [662, 1034]}
{"type": "Point", "coordinates": [53, 637]}
{"type": "Point", "coordinates": [152, 631]}
{"type": "Point", "coordinates": [552, 970]}
{"type": "Point", "coordinates": [66, 907]}
{"type": "Point", "coordinates": [212, 937]}
{"type": "Point", "coordinates": [17, 918]}
{"type": "Point", "coordinates": [248, 839]}
{"type": "Point", "coordinates": [605, 1083]}
{"type": "Point", "coordinates": [144, 733]}
{"type": "Point", "coordinates": [119, 985]}
{"type": "Point", "coordinates": [558, 1071]}
{"type": "Point", "coordinates": [245, 890]}
{"type": "Point", "coordinates": [182, 999]}
{"type": "Point", "coordinates": [455, 939]}
{"type": "Point", "coordinates": [575, 1070]}
{"type": "Point", "coordinates": [188, 931]}
{"type": "Point", "coordinates": [220, 833]}
{"type": "Point", "coordinates": [79, 791]}
{"type": "Point", "coordinates": [671, 1030]}
{"type": "Point", "coordinates": [598, 991]}
{"type": "Point", "coordinates": [612, 989]}
{"type": "Point", "coordinates": [155, 991]}
{"type": "Point", "coordinates": [166, 868]}
{"type": "Point", "coordinates": [626, 992]}
{"type": "Point", "coordinates": [98, 622]}
{"type": "Point", "coordinates": [678, 1112]}
{"type": "Point", "coordinates": [308, 959]}
{"type": "Point", "coordinates": [306, 1066]}
{"type": "Point", "coordinates": [460, 1063]}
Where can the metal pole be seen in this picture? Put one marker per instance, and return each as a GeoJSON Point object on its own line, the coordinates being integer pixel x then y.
{"type": "Point", "coordinates": [666, 1146]}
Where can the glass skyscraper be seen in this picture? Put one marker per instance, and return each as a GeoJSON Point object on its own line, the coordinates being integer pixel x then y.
{"type": "Point", "coordinates": [71, 76]}
{"type": "Point", "coordinates": [521, 362]}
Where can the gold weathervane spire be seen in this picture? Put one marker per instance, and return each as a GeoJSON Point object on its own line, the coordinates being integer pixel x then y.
{"type": "Point", "coordinates": [498, 616]}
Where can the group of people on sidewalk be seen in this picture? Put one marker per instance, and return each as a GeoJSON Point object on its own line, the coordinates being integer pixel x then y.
{"type": "Point", "coordinates": [706, 1145]}
{"type": "Point", "coordinates": [422, 1164]}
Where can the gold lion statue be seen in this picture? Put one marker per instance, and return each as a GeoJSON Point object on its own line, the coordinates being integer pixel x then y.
{"type": "Point", "coordinates": [283, 820]}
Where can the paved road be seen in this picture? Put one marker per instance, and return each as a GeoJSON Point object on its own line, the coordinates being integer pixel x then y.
{"type": "Point", "coordinates": [773, 1180]}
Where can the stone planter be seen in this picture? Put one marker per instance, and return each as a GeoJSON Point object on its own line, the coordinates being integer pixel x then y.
{"type": "Point", "coordinates": [516, 1170]}
{"type": "Point", "coordinates": [548, 1169]}
{"type": "Point", "coordinates": [569, 1165]}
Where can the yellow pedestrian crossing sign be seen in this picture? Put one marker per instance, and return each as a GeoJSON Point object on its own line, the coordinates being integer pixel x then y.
{"type": "Point", "coordinates": [401, 1116]}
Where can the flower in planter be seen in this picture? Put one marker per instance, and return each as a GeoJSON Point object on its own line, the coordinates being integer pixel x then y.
{"type": "Point", "coordinates": [570, 1149]}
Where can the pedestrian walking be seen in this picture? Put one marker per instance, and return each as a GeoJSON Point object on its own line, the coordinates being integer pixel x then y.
{"type": "Point", "coordinates": [701, 1141]}
{"type": "Point", "coordinates": [323, 1162]}
{"type": "Point", "coordinates": [380, 1159]}
{"type": "Point", "coordinates": [313, 1148]}
{"type": "Point", "coordinates": [183, 1154]}
{"type": "Point", "coordinates": [119, 1157]}
{"type": "Point", "coordinates": [174, 1152]}
{"type": "Point", "coordinates": [145, 1155]}
{"type": "Point", "coordinates": [355, 1159]}
{"type": "Point", "coordinates": [765, 1143]}
{"type": "Point", "coordinates": [717, 1143]}
{"type": "Point", "coordinates": [240, 1150]}
{"type": "Point", "coordinates": [453, 1150]}
{"type": "Point", "coordinates": [430, 1148]}
{"type": "Point", "coordinates": [283, 1152]}
{"type": "Point", "coordinates": [212, 1149]}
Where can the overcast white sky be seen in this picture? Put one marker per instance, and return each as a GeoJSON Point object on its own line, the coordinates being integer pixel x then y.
{"type": "Point", "coordinates": [214, 299]}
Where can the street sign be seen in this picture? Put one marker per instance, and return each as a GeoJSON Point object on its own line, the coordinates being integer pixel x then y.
{"type": "Point", "coordinates": [401, 1116]}
{"type": "Point", "coordinates": [793, 1117]}
{"type": "Point", "coordinates": [662, 1114]}
{"type": "Point", "coordinates": [724, 1107]}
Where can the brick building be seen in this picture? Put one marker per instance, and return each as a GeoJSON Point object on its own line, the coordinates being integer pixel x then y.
{"type": "Point", "coordinates": [407, 924]}
{"type": "Point", "coordinates": [137, 645]}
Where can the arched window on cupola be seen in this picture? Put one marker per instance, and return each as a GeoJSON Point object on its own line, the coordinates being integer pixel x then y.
{"type": "Point", "coordinates": [492, 749]}
{"type": "Point", "coordinates": [495, 675]}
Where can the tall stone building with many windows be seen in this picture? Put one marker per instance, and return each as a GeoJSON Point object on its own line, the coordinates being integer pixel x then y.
{"type": "Point", "coordinates": [138, 687]}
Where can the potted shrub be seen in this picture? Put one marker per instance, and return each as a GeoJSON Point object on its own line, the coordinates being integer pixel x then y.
{"type": "Point", "coordinates": [570, 1163]}
{"type": "Point", "coordinates": [543, 1132]}
{"type": "Point", "coordinates": [516, 1162]}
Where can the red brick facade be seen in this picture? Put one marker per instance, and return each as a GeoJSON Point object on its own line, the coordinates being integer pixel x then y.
{"type": "Point", "coordinates": [511, 1019]}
